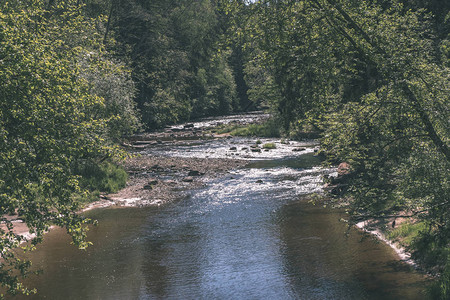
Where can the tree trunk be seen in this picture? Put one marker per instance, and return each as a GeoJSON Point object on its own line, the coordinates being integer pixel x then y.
{"type": "Point", "coordinates": [429, 128]}
{"type": "Point", "coordinates": [108, 24]}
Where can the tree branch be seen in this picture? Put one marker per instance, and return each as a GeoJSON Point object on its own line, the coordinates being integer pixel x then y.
{"type": "Point", "coordinates": [429, 128]}
{"type": "Point", "coordinates": [360, 218]}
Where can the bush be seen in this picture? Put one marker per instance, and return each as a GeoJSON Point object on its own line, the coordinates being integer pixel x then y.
{"type": "Point", "coordinates": [270, 146]}
{"type": "Point", "coordinates": [105, 177]}
{"type": "Point", "coordinates": [440, 290]}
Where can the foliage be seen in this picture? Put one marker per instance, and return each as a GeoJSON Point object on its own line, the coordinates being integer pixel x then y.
{"type": "Point", "coordinates": [373, 77]}
{"type": "Point", "coordinates": [441, 289]}
{"type": "Point", "coordinates": [111, 81]}
{"type": "Point", "coordinates": [105, 177]}
{"type": "Point", "coordinates": [269, 146]}
{"type": "Point", "coordinates": [180, 70]}
{"type": "Point", "coordinates": [53, 117]}
{"type": "Point", "coordinates": [269, 128]}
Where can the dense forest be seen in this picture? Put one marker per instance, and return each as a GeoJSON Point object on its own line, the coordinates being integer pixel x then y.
{"type": "Point", "coordinates": [371, 77]}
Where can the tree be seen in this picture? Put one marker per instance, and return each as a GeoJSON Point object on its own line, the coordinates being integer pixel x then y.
{"type": "Point", "coordinates": [174, 52]}
{"type": "Point", "coordinates": [49, 121]}
{"type": "Point", "coordinates": [373, 76]}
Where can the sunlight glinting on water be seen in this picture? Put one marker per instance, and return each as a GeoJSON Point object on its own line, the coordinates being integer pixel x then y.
{"type": "Point", "coordinates": [225, 120]}
{"type": "Point", "coordinates": [236, 148]}
{"type": "Point", "coordinates": [280, 183]}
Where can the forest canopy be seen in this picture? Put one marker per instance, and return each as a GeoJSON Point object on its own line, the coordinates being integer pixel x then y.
{"type": "Point", "coordinates": [371, 77]}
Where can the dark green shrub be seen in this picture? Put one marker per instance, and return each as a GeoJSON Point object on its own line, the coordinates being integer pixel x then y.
{"type": "Point", "coordinates": [105, 177]}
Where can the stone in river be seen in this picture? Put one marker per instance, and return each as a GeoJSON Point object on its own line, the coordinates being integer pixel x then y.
{"type": "Point", "coordinates": [194, 173]}
{"type": "Point", "coordinates": [188, 179]}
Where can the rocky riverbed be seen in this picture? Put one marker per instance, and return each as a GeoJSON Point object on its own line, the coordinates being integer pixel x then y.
{"type": "Point", "coordinates": [159, 179]}
{"type": "Point", "coordinates": [156, 179]}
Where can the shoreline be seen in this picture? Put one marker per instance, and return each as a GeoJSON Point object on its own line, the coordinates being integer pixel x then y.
{"type": "Point", "coordinates": [156, 180]}
{"type": "Point", "coordinates": [144, 186]}
{"type": "Point", "coordinates": [152, 181]}
{"type": "Point", "coordinates": [401, 252]}
{"type": "Point", "coordinates": [135, 195]}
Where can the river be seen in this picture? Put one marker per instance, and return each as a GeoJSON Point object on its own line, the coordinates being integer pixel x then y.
{"type": "Point", "coordinates": [249, 234]}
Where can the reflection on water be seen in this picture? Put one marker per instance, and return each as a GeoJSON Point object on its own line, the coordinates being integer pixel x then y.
{"type": "Point", "coordinates": [325, 265]}
{"type": "Point", "coordinates": [248, 235]}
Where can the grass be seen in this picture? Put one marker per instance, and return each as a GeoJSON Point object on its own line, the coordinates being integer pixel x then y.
{"type": "Point", "coordinates": [406, 232]}
{"type": "Point", "coordinates": [106, 177]}
{"type": "Point", "coordinates": [270, 146]}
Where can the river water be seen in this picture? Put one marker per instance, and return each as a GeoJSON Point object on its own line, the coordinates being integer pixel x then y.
{"type": "Point", "coordinates": [249, 234]}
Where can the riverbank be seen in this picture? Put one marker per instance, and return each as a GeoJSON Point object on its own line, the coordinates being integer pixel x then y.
{"type": "Point", "coordinates": [155, 180]}
{"type": "Point", "coordinates": [377, 228]}
{"type": "Point", "coordinates": [260, 211]}
{"type": "Point", "coordinates": [370, 228]}
{"type": "Point", "coordinates": [158, 179]}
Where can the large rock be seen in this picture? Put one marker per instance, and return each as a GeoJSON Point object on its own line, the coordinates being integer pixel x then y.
{"type": "Point", "coordinates": [339, 184]}
{"type": "Point", "coordinates": [150, 184]}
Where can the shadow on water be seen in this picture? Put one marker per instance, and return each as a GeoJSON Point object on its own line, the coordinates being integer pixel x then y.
{"type": "Point", "coordinates": [326, 265]}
